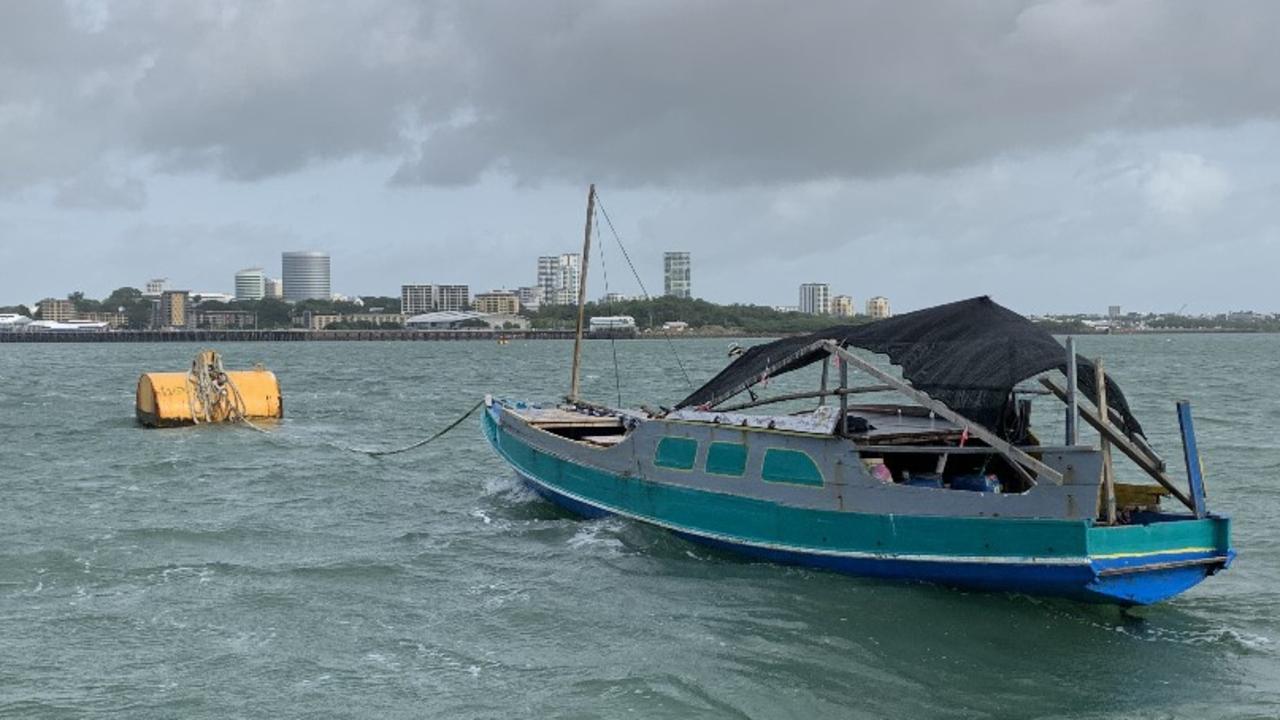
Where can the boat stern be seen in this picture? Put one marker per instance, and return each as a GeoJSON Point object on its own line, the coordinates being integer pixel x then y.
{"type": "Point", "coordinates": [1157, 556]}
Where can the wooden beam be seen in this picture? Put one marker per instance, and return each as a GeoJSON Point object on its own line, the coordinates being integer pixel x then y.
{"type": "Point", "coordinates": [1073, 395]}
{"type": "Point", "coordinates": [1021, 462]}
{"type": "Point", "coordinates": [1118, 439]}
{"type": "Point", "coordinates": [802, 396]}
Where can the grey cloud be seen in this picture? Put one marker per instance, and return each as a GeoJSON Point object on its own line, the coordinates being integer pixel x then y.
{"type": "Point", "coordinates": [101, 191]}
{"type": "Point", "coordinates": [711, 94]}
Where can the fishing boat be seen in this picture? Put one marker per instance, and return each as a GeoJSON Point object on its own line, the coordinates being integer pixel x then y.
{"type": "Point", "coordinates": [950, 485]}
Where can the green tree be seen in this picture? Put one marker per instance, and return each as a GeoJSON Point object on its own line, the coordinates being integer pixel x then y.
{"type": "Point", "coordinates": [83, 304]}
{"type": "Point", "coordinates": [381, 303]}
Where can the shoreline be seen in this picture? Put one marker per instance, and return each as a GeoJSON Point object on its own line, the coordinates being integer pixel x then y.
{"type": "Point", "coordinates": [400, 335]}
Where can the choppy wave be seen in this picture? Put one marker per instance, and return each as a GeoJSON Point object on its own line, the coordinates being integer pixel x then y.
{"type": "Point", "coordinates": [201, 573]}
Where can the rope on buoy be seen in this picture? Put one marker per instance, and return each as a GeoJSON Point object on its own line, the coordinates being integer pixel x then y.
{"type": "Point", "coordinates": [213, 392]}
{"type": "Point", "coordinates": [420, 443]}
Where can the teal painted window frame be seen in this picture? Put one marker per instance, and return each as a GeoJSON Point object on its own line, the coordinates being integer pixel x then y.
{"type": "Point", "coordinates": [778, 469]}
{"type": "Point", "coordinates": [676, 453]}
{"type": "Point", "coordinates": [726, 458]}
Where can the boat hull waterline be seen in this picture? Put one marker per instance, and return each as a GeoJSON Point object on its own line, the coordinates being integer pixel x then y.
{"type": "Point", "coordinates": [1128, 565]}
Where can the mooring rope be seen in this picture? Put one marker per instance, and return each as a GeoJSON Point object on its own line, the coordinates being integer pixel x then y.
{"type": "Point", "coordinates": [420, 443]}
{"type": "Point", "coordinates": [212, 394]}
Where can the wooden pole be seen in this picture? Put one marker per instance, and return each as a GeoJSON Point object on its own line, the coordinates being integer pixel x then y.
{"type": "Point", "coordinates": [822, 387]}
{"type": "Point", "coordinates": [1073, 403]}
{"type": "Point", "coordinates": [1021, 462]}
{"type": "Point", "coordinates": [582, 295]}
{"type": "Point", "coordinates": [1118, 439]}
{"type": "Point", "coordinates": [844, 397]}
{"type": "Point", "coordinates": [1108, 471]}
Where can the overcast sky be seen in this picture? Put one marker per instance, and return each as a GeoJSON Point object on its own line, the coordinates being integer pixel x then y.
{"type": "Point", "coordinates": [1059, 156]}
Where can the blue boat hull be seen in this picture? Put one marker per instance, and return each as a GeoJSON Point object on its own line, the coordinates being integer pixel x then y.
{"type": "Point", "coordinates": [1124, 578]}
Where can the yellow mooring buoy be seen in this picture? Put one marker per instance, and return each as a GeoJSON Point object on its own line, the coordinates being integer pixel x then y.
{"type": "Point", "coordinates": [208, 393]}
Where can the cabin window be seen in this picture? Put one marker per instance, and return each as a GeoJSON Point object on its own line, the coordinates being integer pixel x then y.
{"type": "Point", "coordinates": [790, 466]}
{"type": "Point", "coordinates": [676, 453]}
{"type": "Point", "coordinates": [725, 458]}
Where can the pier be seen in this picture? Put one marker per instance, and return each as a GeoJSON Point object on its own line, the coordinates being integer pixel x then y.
{"type": "Point", "coordinates": [283, 335]}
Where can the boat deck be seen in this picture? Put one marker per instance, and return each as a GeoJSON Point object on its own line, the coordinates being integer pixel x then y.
{"type": "Point", "coordinates": [555, 417]}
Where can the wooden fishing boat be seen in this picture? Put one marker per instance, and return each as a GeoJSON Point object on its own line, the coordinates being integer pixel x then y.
{"type": "Point", "coordinates": [951, 486]}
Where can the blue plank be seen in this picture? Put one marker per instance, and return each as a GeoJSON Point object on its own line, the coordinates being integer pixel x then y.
{"type": "Point", "coordinates": [1195, 472]}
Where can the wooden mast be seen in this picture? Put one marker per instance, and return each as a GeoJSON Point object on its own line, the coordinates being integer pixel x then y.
{"type": "Point", "coordinates": [582, 295]}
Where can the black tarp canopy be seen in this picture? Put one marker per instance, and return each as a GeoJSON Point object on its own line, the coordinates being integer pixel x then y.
{"type": "Point", "coordinates": [967, 354]}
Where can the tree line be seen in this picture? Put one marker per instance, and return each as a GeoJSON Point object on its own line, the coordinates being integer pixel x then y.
{"type": "Point", "coordinates": [650, 314]}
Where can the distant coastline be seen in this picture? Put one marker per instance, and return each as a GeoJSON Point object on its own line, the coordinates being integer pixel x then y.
{"type": "Point", "coordinates": [406, 335]}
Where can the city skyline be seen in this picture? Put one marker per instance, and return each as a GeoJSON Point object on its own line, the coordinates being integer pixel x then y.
{"type": "Point", "coordinates": [1068, 158]}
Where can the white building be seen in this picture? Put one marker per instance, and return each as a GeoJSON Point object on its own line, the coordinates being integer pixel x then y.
{"type": "Point", "coordinates": [675, 275]}
{"type": "Point", "coordinates": [419, 299]}
{"type": "Point", "coordinates": [842, 306]}
{"type": "Point", "coordinates": [878, 308]}
{"type": "Point", "coordinates": [156, 286]}
{"type": "Point", "coordinates": [204, 297]}
{"type": "Point", "coordinates": [306, 275]}
{"type": "Point", "coordinates": [815, 299]}
{"type": "Point", "coordinates": [455, 320]}
{"type": "Point", "coordinates": [12, 321]}
{"type": "Point", "coordinates": [251, 284]}
{"type": "Point", "coordinates": [611, 322]}
{"type": "Point", "coordinates": [530, 297]}
{"type": "Point", "coordinates": [558, 277]}
{"type": "Point", "coordinates": [273, 288]}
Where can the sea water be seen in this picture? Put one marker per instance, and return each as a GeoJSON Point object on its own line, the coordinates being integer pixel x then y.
{"type": "Point", "coordinates": [218, 572]}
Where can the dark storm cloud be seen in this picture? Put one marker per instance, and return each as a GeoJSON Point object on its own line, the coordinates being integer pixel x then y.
{"type": "Point", "coordinates": [716, 93]}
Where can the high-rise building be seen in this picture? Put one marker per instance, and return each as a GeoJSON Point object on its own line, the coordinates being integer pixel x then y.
{"type": "Point", "coordinates": [57, 310]}
{"type": "Point", "coordinates": [878, 308]}
{"type": "Point", "coordinates": [453, 297]}
{"type": "Point", "coordinates": [418, 299]}
{"type": "Point", "coordinates": [675, 275]}
{"type": "Point", "coordinates": [549, 277]}
{"type": "Point", "coordinates": [172, 310]}
{"type": "Point", "coordinates": [497, 302]}
{"type": "Point", "coordinates": [251, 284]}
{"type": "Point", "coordinates": [1113, 311]}
{"type": "Point", "coordinates": [156, 286]}
{"type": "Point", "coordinates": [815, 299]}
{"type": "Point", "coordinates": [842, 306]}
{"type": "Point", "coordinates": [558, 277]}
{"type": "Point", "coordinates": [306, 275]}
{"type": "Point", "coordinates": [530, 297]}
{"type": "Point", "coordinates": [273, 288]}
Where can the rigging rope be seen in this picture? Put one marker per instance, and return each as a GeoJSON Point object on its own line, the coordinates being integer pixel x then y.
{"type": "Point", "coordinates": [613, 341]}
{"type": "Point", "coordinates": [627, 257]}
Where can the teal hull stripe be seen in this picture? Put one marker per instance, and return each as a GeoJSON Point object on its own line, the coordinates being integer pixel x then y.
{"type": "Point", "coordinates": [770, 526]}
